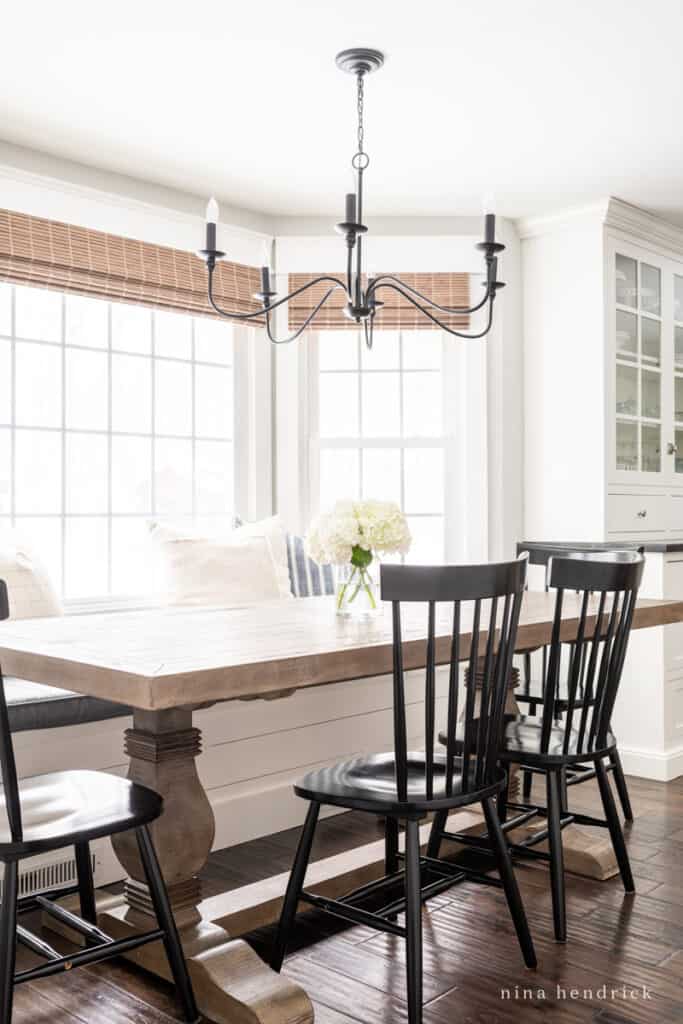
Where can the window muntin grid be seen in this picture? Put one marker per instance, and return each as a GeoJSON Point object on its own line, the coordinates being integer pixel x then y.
{"type": "Point", "coordinates": [109, 414]}
{"type": "Point", "coordinates": [381, 427]}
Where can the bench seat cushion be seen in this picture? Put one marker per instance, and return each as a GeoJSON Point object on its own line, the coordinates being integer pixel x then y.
{"type": "Point", "coordinates": [36, 706]}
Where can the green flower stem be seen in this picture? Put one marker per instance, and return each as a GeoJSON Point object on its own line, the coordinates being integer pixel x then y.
{"type": "Point", "coordinates": [368, 590]}
{"type": "Point", "coordinates": [364, 583]}
{"type": "Point", "coordinates": [342, 592]}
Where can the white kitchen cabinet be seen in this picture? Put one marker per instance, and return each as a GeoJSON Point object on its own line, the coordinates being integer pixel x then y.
{"type": "Point", "coordinates": [603, 421]}
{"type": "Point", "coordinates": [603, 351]}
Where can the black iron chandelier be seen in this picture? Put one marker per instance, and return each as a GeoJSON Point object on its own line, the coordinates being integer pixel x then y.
{"type": "Point", "coordinates": [362, 300]}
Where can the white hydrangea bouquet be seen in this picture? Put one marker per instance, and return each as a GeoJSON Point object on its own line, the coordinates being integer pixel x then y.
{"type": "Point", "coordinates": [352, 536]}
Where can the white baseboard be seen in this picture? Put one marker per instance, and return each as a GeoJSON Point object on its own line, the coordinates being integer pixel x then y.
{"type": "Point", "coordinates": [664, 766]}
{"type": "Point", "coordinates": [244, 813]}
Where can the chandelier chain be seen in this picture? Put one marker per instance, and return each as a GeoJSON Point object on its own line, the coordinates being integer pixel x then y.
{"type": "Point", "coordinates": [361, 127]}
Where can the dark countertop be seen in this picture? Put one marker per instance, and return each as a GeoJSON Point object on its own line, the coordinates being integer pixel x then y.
{"type": "Point", "coordinates": [660, 546]}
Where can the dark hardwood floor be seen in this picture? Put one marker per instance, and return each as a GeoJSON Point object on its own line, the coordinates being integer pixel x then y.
{"type": "Point", "coordinates": [473, 969]}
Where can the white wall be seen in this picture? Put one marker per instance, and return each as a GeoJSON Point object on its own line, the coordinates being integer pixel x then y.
{"type": "Point", "coordinates": [564, 375]}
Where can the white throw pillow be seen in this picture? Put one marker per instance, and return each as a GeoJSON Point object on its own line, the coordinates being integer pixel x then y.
{"type": "Point", "coordinates": [30, 589]}
{"type": "Point", "coordinates": [221, 530]}
{"type": "Point", "coordinates": [215, 570]}
{"type": "Point", "coordinates": [274, 531]}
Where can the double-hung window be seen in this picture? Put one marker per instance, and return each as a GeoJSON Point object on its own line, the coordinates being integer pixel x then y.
{"type": "Point", "coordinates": [110, 414]}
{"type": "Point", "coordinates": [381, 428]}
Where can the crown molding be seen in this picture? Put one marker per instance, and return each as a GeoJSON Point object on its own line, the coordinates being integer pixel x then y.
{"type": "Point", "coordinates": [644, 226]}
{"type": "Point", "coordinates": [533, 227]}
{"type": "Point", "coordinates": [41, 171]}
{"type": "Point", "coordinates": [609, 213]}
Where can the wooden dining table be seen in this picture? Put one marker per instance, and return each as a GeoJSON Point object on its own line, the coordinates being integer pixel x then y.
{"type": "Point", "coordinates": [165, 664]}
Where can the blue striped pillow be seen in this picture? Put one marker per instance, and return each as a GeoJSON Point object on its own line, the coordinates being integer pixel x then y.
{"type": "Point", "coordinates": [306, 577]}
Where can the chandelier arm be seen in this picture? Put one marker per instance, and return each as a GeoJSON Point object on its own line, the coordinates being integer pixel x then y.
{"type": "Point", "coordinates": [444, 309]}
{"type": "Point", "coordinates": [430, 316]}
{"type": "Point", "coordinates": [273, 305]}
{"type": "Point", "coordinates": [307, 321]}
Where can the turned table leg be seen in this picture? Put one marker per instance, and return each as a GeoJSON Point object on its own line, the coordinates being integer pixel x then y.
{"type": "Point", "coordinates": [232, 984]}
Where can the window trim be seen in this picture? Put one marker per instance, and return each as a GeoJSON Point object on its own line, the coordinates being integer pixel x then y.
{"type": "Point", "coordinates": [251, 459]}
{"type": "Point", "coordinates": [444, 442]}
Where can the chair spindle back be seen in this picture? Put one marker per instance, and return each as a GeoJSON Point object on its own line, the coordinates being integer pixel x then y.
{"type": "Point", "coordinates": [604, 585]}
{"type": "Point", "coordinates": [486, 603]}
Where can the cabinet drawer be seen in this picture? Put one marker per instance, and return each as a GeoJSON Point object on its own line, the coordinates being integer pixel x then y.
{"type": "Point", "coordinates": [637, 513]}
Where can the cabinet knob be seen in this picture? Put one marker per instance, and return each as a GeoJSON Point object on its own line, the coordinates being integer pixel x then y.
{"type": "Point", "coordinates": [642, 513]}
{"type": "Point", "coordinates": [671, 448]}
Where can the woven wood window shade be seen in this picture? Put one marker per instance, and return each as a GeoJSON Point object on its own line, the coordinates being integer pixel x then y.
{"type": "Point", "coordinates": [397, 312]}
{"type": "Point", "coordinates": [49, 254]}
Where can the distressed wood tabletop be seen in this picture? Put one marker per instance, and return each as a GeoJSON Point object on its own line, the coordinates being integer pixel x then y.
{"type": "Point", "coordinates": [172, 657]}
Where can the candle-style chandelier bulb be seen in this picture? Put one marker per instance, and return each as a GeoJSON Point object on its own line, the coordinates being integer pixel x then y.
{"type": "Point", "coordinates": [212, 211]}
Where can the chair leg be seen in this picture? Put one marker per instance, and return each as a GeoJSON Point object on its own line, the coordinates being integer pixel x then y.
{"type": "Point", "coordinates": [86, 888]}
{"type": "Point", "coordinates": [413, 923]}
{"type": "Point", "coordinates": [526, 790]}
{"type": "Point", "coordinates": [620, 782]}
{"type": "Point", "coordinates": [614, 824]}
{"type": "Point", "coordinates": [294, 887]}
{"type": "Point", "coordinates": [162, 909]}
{"type": "Point", "coordinates": [554, 804]}
{"type": "Point", "coordinates": [507, 877]}
{"type": "Point", "coordinates": [390, 846]}
{"type": "Point", "coordinates": [436, 834]}
{"type": "Point", "coordinates": [564, 799]}
{"type": "Point", "coordinates": [8, 940]}
{"type": "Point", "coordinates": [503, 796]}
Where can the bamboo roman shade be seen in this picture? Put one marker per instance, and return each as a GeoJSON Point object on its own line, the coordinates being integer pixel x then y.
{"type": "Point", "coordinates": [444, 288]}
{"type": "Point", "coordinates": [49, 254]}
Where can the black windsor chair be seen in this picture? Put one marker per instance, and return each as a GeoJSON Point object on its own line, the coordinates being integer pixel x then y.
{"type": "Point", "coordinates": [574, 729]}
{"type": "Point", "coordinates": [402, 785]}
{"type": "Point", "coordinates": [70, 808]}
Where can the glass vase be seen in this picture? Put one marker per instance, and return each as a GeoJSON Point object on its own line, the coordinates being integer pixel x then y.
{"type": "Point", "coordinates": [357, 592]}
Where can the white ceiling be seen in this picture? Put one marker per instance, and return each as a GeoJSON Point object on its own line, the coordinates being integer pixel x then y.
{"type": "Point", "coordinates": [547, 104]}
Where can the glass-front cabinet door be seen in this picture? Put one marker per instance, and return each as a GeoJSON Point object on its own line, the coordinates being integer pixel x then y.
{"type": "Point", "coordinates": [678, 373]}
{"type": "Point", "coordinates": [638, 383]}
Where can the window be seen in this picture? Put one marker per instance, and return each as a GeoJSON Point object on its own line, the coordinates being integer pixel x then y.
{"type": "Point", "coordinates": [381, 427]}
{"type": "Point", "coordinates": [109, 414]}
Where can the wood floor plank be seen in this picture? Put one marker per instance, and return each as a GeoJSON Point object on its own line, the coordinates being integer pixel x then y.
{"type": "Point", "coordinates": [31, 1006]}
{"type": "Point", "coordinates": [385, 974]}
{"type": "Point", "coordinates": [345, 994]}
{"type": "Point", "coordinates": [93, 999]}
{"type": "Point", "coordinates": [471, 954]}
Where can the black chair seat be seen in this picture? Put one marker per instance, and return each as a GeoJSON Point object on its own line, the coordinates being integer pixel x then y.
{"type": "Point", "coordinates": [59, 806]}
{"type": "Point", "coordinates": [369, 784]}
{"type": "Point", "coordinates": [522, 742]}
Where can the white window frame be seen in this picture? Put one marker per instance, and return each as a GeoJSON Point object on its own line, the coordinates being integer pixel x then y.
{"type": "Point", "coordinates": [482, 382]}
{"type": "Point", "coordinates": [443, 442]}
{"type": "Point", "coordinates": [250, 440]}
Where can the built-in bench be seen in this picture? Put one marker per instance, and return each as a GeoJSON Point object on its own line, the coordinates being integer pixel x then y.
{"type": "Point", "coordinates": [36, 706]}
